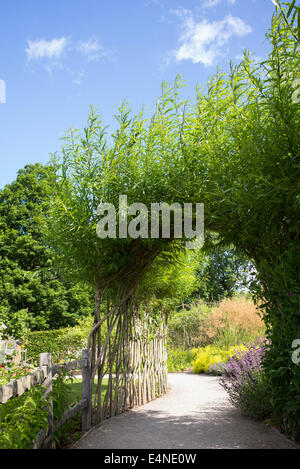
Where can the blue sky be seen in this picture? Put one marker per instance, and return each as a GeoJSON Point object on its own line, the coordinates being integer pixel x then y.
{"type": "Point", "coordinates": [57, 57]}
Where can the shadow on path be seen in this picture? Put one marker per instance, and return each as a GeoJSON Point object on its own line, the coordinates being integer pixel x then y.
{"type": "Point", "coordinates": [194, 414]}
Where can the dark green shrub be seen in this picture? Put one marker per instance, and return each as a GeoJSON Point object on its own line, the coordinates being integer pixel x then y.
{"type": "Point", "coordinates": [64, 344]}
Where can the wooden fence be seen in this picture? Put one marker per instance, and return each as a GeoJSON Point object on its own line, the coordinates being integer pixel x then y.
{"type": "Point", "coordinates": [134, 365]}
{"type": "Point", "coordinates": [136, 377]}
{"type": "Point", "coordinates": [43, 376]}
{"type": "Point", "coordinates": [148, 377]}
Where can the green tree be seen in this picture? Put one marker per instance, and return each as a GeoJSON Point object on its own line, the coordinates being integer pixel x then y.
{"type": "Point", "coordinates": [33, 295]}
{"type": "Point", "coordinates": [243, 145]}
{"type": "Point", "coordinates": [166, 285]}
{"type": "Point", "coordinates": [223, 274]}
{"type": "Point", "coordinates": [139, 163]}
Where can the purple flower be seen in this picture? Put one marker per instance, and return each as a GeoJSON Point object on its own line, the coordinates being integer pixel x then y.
{"type": "Point", "coordinates": [243, 367]}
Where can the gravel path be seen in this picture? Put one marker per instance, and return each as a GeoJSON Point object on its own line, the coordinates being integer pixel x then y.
{"type": "Point", "coordinates": [195, 413]}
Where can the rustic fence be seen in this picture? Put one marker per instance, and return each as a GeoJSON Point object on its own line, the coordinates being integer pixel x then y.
{"type": "Point", "coordinates": [134, 363]}
{"type": "Point", "coordinates": [136, 375]}
{"type": "Point", "coordinates": [43, 376]}
{"type": "Point", "coordinates": [148, 377]}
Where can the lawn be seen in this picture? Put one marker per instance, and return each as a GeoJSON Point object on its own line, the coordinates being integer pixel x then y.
{"type": "Point", "coordinates": [75, 389]}
{"type": "Point", "coordinates": [69, 433]}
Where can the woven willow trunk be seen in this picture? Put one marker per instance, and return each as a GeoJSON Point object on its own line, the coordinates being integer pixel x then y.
{"type": "Point", "coordinates": [147, 355]}
{"type": "Point", "coordinates": [131, 363]}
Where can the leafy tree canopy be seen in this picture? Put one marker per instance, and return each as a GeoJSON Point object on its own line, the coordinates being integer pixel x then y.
{"type": "Point", "coordinates": [33, 295]}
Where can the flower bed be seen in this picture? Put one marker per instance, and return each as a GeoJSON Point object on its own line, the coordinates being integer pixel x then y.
{"type": "Point", "coordinates": [244, 380]}
{"type": "Point", "coordinates": [10, 371]}
{"type": "Point", "coordinates": [211, 359]}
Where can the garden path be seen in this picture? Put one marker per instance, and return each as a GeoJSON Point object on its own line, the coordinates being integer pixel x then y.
{"type": "Point", "coordinates": [195, 413]}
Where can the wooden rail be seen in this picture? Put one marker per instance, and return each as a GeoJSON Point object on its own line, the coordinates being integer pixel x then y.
{"type": "Point", "coordinates": [44, 376]}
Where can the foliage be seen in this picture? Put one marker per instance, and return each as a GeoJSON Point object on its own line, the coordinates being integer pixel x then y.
{"type": "Point", "coordinates": [243, 142]}
{"type": "Point", "coordinates": [209, 359]}
{"type": "Point", "coordinates": [89, 172]}
{"type": "Point", "coordinates": [225, 324]}
{"type": "Point", "coordinates": [70, 432]}
{"type": "Point", "coordinates": [33, 295]}
{"type": "Point", "coordinates": [245, 382]}
{"type": "Point", "coordinates": [233, 321]}
{"type": "Point", "coordinates": [223, 274]}
{"type": "Point", "coordinates": [62, 398]}
{"type": "Point", "coordinates": [21, 419]}
{"type": "Point", "coordinates": [139, 164]}
{"type": "Point", "coordinates": [186, 327]}
{"type": "Point", "coordinates": [180, 359]}
{"type": "Point", "coordinates": [211, 355]}
{"type": "Point", "coordinates": [64, 344]}
{"type": "Point", "coordinates": [164, 286]}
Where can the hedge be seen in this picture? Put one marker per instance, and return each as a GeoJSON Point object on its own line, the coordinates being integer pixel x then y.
{"type": "Point", "coordinates": [64, 344]}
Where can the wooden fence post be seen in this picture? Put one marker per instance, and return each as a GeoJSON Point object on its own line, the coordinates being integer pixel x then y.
{"type": "Point", "coordinates": [86, 394]}
{"type": "Point", "coordinates": [46, 366]}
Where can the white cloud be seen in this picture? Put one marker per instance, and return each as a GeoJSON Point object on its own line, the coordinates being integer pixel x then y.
{"type": "Point", "coordinates": [58, 54]}
{"type": "Point", "coordinates": [92, 49]}
{"type": "Point", "coordinates": [78, 77]}
{"type": "Point", "coordinates": [211, 3]}
{"type": "Point", "coordinates": [154, 2]}
{"type": "Point", "coordinates": [43, 48]}
{"type": "Point", "coordinates": [214, 3]}
{"type": "Point", "coordinates": [202, 42]}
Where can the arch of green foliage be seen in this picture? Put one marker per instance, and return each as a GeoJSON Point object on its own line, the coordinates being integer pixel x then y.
{"type": "Point", "coordinates": [236, 149]}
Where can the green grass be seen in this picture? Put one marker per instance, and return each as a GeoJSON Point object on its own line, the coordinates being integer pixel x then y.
{"type": "Point", "coordinates": [69, 433]}
{"type": "Point", "coordinates": [75, 389]}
